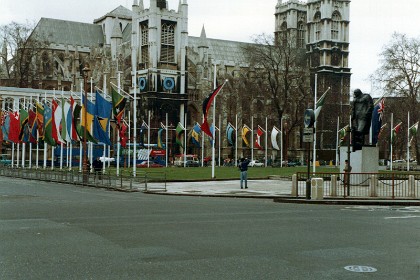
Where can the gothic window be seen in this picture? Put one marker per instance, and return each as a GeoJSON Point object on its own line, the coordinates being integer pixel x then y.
{"type": "Point", "coordinates": [335, 58]}
{"type": "Point", "coordinates": [167, 53]}
{"type": "Point", "coordinates": [301, 35]}
{"type": "Point", "coordinates": [8, 104]}
{"type": "Point", "coordinates": [144, 43]}
{"type": "Point", "coordinates": [335, 25]}
{"type": "Point", "coordinates": [315, 59]}
{"type": "Point", "coordinates": [318, 26]}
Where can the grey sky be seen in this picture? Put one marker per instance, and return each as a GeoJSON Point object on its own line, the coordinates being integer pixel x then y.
{"type": "Point", "coordinates": [372, 22]}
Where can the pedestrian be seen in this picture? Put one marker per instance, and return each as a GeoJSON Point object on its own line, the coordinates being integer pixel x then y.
{"type": "Point", "coordinates": [347, 170]}
{"type": "Point", "coordinates": [97, 167]}
{"type": "Point", "coordinates": [243, 167]}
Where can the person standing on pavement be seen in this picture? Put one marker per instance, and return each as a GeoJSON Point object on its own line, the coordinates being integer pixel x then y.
{"type": "Point", "coordinates": [347, 170]}
{"type": "Point", "coordinates": [97, 167]}
{"type": "Point", "coordinates": [243, 167]}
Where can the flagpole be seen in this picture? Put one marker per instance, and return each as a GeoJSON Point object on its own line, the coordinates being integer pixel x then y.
{"type": "Point", "coordinates": [281, 142]}
{"type": "Point", "coordinates": [220, 134]}
{"type": "Point", "coordinates": [37, 136]}
{"type": "Point", "coordinates": [104, 153]}
{"type": "Point", "coordinates": [337, 142]}
{"type": "Point", "coordinates": [252, 138]}
{"type": "Point", "coordinates": [148, 139]}
{"type": "Point", "coordinates": [166, 140]}
{"type": "Point", "coordinates": [408, 141]}
{"type": "Point", "coordinates": [134, 53]}
{"type": "Point", "coordinates": [314, 143]}
{"type": "Point", "coordinates": [129, 140]}
{"type": "Point", "coordinates": [236, 139]}
{"type": "Point", "coordinates": [119, 128]}
{"type": "Point", "coordinates": [202, 146]}
{"type": "Point", "coordinates": [266, 144]}
{"type": "Point", "coordinates": [392, 131]}
{"type": "Point", "coordinates": [214, 124]}
{"type": "Point", "coordinates": [23, 142]}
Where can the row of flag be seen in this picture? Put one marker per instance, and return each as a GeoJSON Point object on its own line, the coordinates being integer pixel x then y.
{"type": "Point", "coordinates": [61, 121]}
{"type": "Point", "coordinates": [378, 127]}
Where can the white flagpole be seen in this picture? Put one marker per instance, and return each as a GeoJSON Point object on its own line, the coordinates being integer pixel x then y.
{"type": "Point", "coordinates": [30, 134]}
{"type": "Point", "coordinates": [392, 130]}
{"type": "Point", "coordinates": [252, 138]}
{"type": "Point", "coordinates": [281, 142]}
{"type": "Point", "coordinates": [37, 139]}
{"type": "Point", "coordinates": [166, 140]}
{"type": "Point", "coordinates": [408, 141]}
{"type": "Point", "coordinates": [134, 54]}
{"type": "Point", "coordinates": [13, 154]}
{"type": "Point", "coordinates": [337, 142]}
{"type": "Point", "coordinates": [18, 155]}
{"type": "Point", "coordinates": [104, 153]}
{"type": "Point", "coordinates": [23, 143]}
{"type": "Point", "coordinates": [202, 146]}
{"type": "Point", "coordinates": [220, 134]}
{"type": "Point", "coordinates": [214, 126]}
{"type": "Point", "coordinates": [266, 143]}
{"type": "Point", "coordinates": [236, 139]}
{"type": "Point", "coordinates": [81, 121]}
{"type": "Point", "coordinates": [314, 152]}
{"type": "Point", "coordinates": [118, 132]}
{"type": "Point", "coordinates": [45, 144]}
{"type": "Point", "coordinates": [148, 139]}
{"type": "Point", "coordinates": [129, 139]}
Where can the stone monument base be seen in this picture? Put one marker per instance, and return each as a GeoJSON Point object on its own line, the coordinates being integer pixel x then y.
{"type": "Point", "coordinates": [365, 160]}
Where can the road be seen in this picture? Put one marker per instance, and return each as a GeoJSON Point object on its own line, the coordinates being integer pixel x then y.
{"type": "Point", "coordinates": [53, 231]}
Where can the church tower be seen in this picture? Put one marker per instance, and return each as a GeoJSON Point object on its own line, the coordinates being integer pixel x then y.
{"type": "Point", "coordinates": [159, 42]}
{"type": "Point", "coordinates": [328, 48]}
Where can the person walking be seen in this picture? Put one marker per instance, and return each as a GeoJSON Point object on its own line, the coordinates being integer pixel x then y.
{"type": "Point", "coordinates": [97, 167]}
{"type": "Point", "coordinates": [347, 170]}
{"type": "Point", "coordinates": [243, 167]}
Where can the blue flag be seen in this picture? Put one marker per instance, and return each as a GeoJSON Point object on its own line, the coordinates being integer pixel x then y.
{"type": "Point", "coordinates": [195, 135]}
{"type": "Point", "coordinates": [103, 109]}
{"type": "Point", "coordinates": [377, 120]}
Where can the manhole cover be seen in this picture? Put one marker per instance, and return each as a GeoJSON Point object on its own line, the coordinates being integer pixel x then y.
{"type": "Point", "coordinates": [360, 268]}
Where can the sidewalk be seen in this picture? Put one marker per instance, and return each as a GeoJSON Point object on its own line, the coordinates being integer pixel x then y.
{"type": "Point", "coordinates": [278, 190]}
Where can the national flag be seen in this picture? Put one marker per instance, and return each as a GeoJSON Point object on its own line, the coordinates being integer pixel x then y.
{"type": "Point", "coordinates": [5, 126]}
{"type": "Point", "coordinates": [48, 126]}
{"type": "Point", "coordinates": [377, 117]}
{"type": "Point", "coordinates": [122, 134]}
{"type": "Point", "coordinates": [179, 131]}
{"type": "Point", "coordinates": [159, 140]}
{"type": "Point", "coordinates": [90, 112]}
{"type": "Point", "coordinates": [103, 109]}
{"type": "Point", "coordinates": [274, 134]}
{"type": "Point", "coordinates": [40, 119]}
{"type": "Point", "coordinates": [342, 134]}
{"type": "Point", "coordinates": [320, 103]}
{"type": "Point", "coordinates": [32, 127]}
{"type": "Point", "coordinates": [206, 107]}
{"type": "Point", "coordinates": [395, 131]}
{"type": "Point", "coordinates": [78, 126]}
{"type": "Point", "coordinates": [143, 128]}
{"type": "Point", "coordinates": [67, 123]}
{"type": "Point", "coordinates": [260, 133]}
{"type": "Point", "coordinates": [229, 133]}
{"type": "Point", "coordinates": [245, 130]}
{"type": "Point", "coordinates": [413, 129]}
{"type": "Point", "coordinates": [195, 135]}
{"type": "Point", "coordinates": [118, 105]}
{"type": "Point", "coordinates": [14, 127]}
{"type": "Point", "coordinates": [381, 130]}
{"type": "Point", "coordinates": [57, 115]}
{"type": "Point", "coordinates": [71, 128]}
{"type": "Point", "coordinates": [23, 119]}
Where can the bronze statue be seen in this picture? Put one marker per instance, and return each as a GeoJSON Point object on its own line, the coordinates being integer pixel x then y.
{"type": "Point", "coordinates": [361, 117]}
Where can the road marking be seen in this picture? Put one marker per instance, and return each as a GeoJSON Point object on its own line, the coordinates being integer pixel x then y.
{"type": "Point", "coordinates": [360, 268]}
{"type": "Point", "coordinates": [403, 217]}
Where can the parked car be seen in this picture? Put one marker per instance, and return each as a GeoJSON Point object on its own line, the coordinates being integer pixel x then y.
{"type": "Point", "coordinates": [192, 163]}
{"type": "Point", "coordinates": [256, 163]}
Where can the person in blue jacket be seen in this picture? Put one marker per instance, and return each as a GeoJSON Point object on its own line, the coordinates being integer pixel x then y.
{"type": "Point", "coordinates": [243, 167]}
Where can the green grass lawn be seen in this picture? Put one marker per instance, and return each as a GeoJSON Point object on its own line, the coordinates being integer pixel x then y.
{"type": "Point", "coordinates": [221, 173]}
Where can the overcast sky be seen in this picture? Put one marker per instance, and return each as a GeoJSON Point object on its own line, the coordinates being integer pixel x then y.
{"type": "Point", "coordinates": [372, 22]}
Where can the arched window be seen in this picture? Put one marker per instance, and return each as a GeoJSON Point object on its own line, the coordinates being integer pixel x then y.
{"type": "Point", "coordinates": [301, 35]}
{"type": "Point", "coordinates": [335, 25]}
{"type": "Point", "coordinates": [318, 26]}
{"type": "Point", "coordinates": [8, 104]}
{"type": "Point", "coordinates": [144, 27]}
{"type": "Point", "coordinates": [167, 52]}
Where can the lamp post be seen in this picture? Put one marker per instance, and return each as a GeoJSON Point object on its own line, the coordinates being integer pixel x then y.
{"type": "Point", "coordinates": [86, 71]}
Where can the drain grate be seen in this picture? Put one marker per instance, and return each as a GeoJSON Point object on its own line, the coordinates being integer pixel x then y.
{"type": "Point", "coordinates": [360, 268]}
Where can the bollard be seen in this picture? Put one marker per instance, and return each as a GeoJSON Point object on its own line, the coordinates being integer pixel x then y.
{"type": "Point", "coordinates": [333, 189]}
{"type": "Point", "coordinates": [317, 190]}
{"type": "Point", "coordinates": [294, 185]}
{"type": "Point", "coordinates": [412, 186]}
{"type": "Point", "coordinates": [373, 185]}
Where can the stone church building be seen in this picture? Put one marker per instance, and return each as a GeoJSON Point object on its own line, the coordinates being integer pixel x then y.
{"type": "Point", "coordinates": [149, 51]}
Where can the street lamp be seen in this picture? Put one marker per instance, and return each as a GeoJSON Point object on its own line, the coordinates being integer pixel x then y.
{"type": "Point", "coordinates": [86, 71]}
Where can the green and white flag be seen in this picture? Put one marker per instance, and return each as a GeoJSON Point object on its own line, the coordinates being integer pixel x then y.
{"type": "Point", "coordinates": [413, 129]}
{"type": "Point", "coordinates": [320, 103]}
{"type": "Point", "coordinates": [342, 134]}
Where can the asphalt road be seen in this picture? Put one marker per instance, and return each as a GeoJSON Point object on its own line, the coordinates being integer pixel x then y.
{"type": "Point", "coordinates": [50, 231]}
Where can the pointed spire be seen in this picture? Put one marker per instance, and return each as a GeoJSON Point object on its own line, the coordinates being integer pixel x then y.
{"type": "Point", "coordinates": [203, 38]}
{"type": "Point", "coordinates": [203, 33]}
{"type": "Point", "coordinates": [116, 32]}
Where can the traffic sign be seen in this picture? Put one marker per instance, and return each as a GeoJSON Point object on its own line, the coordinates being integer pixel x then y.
{"type": "Point", "coordinates": [308, 135]}
{"type": "Point", "coordinates": [309, 118]}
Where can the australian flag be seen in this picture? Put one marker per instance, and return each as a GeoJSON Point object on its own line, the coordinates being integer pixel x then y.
{"type": "Point", "coordinates": [377, 117]}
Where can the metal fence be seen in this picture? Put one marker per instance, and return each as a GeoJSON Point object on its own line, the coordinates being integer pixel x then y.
{"type": "Point", "coordinates": [109, 181]}
{"type": "Point", "coordinates": [379, 185]}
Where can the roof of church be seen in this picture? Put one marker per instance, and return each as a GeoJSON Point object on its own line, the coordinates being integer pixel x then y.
{"type": "Point", "coordinates": [119, 12]}
{"type": "Point", "coordinates": [69, 32]}
{"type": "Point", "coordinates": [230, 52]}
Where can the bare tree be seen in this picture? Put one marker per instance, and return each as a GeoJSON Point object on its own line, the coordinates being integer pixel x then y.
{"type": "Point", "coordinates": [20, 51]}
{"type": "Point", "coordinates": [284, 75]}
{"type": "Point", "coordinates": [399, 73]}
